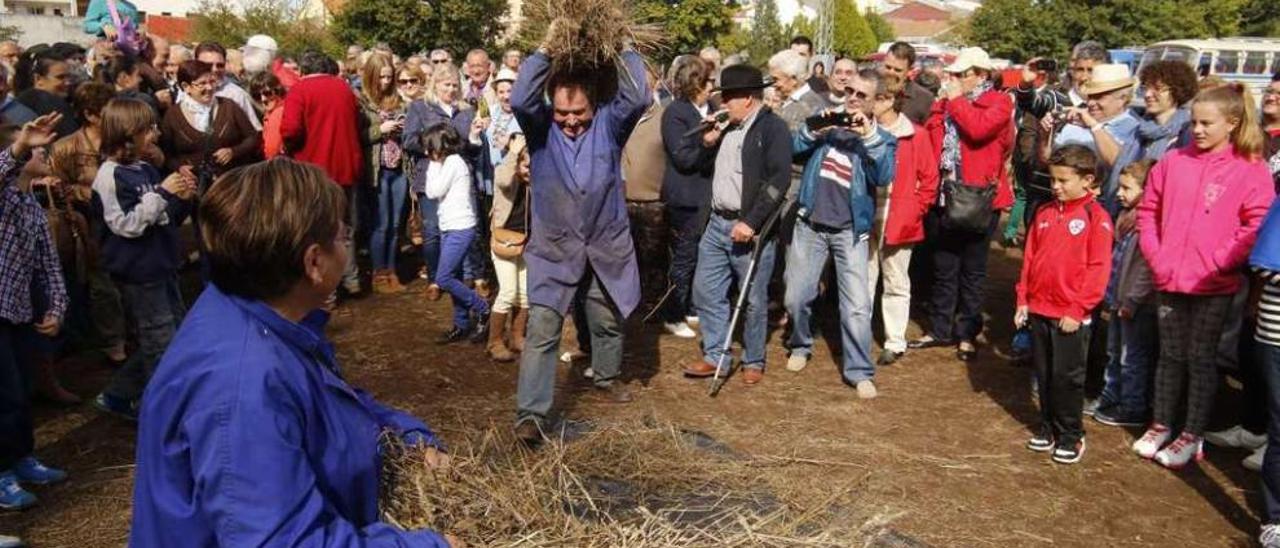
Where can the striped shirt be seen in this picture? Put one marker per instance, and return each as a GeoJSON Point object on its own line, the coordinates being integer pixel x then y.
{"type": "Point", "coordinates": [1269, 308]}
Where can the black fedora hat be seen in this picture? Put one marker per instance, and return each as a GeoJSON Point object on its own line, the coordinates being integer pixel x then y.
{"type": "Point", "coordinates": [741, 77]}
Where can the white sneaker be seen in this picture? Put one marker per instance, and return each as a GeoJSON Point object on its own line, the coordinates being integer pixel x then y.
{"type": "Point", "coordinates": [680, 329]}
{"type": "Point", "coordinates": [588, 373]}
{"type": "Point", "coordinates": [7, 541]}
{"type": "Point", "coordinates": [352, 286]}
{"type": "Point", "coordinates": [1150, 443]}
{"type": "Point", "coordinates": [1253, 462]}
{"type": "Point", "coordinates": [692, 321]}
{"type": "Point", "coordinates": [866, 390]}
{"type": "Point", "coordinates": [1236, 437]}
{"type": "Point", "coordinates": [1181, 452]}
{"type": "Point", "coordinates": [796, 362]}
{"type": "Point", "coordinates": [1091, 406]}
{"type": "Point", "coordinates": [1270, 536]}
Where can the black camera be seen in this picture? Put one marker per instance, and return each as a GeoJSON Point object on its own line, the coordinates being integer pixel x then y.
{"type": "Point", "coordinates": [828, 119]}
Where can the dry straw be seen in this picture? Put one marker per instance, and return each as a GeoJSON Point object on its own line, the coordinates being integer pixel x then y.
{"type": "Point", "coordinates": [628, 485]}
{"type": "Point", "coordinates": [585, 38]}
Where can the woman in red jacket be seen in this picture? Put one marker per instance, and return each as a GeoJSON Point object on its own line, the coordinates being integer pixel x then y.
{"type": "Point", "coordinates": [972, 130]}
{"type": "Point", "coordinates": [900, 215]}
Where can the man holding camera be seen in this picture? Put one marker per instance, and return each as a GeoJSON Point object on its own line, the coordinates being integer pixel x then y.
{"type": "Point", "coordinates": [751, 155]}
{"type": "Point", "coordinates": [849, 155]}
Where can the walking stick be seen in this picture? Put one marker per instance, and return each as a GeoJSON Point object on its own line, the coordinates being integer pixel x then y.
{"type": "Point", "coordinates": [717, 382]}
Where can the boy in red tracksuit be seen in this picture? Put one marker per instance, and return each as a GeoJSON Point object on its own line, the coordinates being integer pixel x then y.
{"type": "Point", "coordinates": [1065, 267]}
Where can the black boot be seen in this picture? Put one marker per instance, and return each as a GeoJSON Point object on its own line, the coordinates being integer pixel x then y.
{"type": "Point", "coordinates": [481, 333]}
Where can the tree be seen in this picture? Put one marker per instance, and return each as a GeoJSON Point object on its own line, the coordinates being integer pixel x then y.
{"type": "Point", "coordinates": [767, 35]}
{"type": "Point", "coordinates": [880, 27]}
{"type": "Point", "coordinates": [410, 26]}
{"type": "Point", "coordinates": [1016, 29]}
{"type": "Point", "coordinates": [688, 25]}
{"type": "Point", "coordinates": [853, 36]}
{"type": "Point", "coordinates": [1260, 18]}
{"type": "Point", "coordinates": [219, 21]}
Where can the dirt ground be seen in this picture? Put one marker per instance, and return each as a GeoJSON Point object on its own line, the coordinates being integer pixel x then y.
{"type": "Point", "coordinates": [938, 456]}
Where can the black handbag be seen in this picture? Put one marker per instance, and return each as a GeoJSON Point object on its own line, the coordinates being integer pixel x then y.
{"type": "Point", "coordinates": [968, 208]}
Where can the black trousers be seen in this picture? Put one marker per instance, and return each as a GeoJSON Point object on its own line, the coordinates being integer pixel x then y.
{"type": "Point", "coordinates": [685, 234]}
{"type": "Point", "coordinates": [17, 435]}
{"type": "Point", "coordinates": [1187, 374]}
{"type": "Point", "coordinates": [1060, 362]}
{"type": "Point", "coordinates": [959, 281]}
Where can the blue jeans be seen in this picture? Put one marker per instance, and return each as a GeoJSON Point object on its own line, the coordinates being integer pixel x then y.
{"type": "Point", "coordinates": [428, 209]}
{"type": "Point", "coordinates": [721, 262]}
{"type": "Point", "coordinates": [1132, 347]}
{"type": "Point", "coordinates": [1269, 362]}
{"type": "Point", "coordinates": [454, 247]}
{"type": "Point", "coordinates": [154, 310]}
{"type": "Point", "coordinates": [392, 186]}
{"type": "Point", "coordinates": [685, 233]}
{"type": "Point", "coordinates": [806, 258]}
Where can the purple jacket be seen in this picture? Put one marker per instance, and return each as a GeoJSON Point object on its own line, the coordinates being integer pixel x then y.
{"type": "Point", "coordinates": [579, 208]}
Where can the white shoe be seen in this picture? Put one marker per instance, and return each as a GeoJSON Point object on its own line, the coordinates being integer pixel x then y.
{"type": "Point", "coordinates": [866, 390]}
{"type": "Point", "coordinates": [1236, 437]}
{"type": "Point", "coordinates": [1253, 462]}
{"type": "Point", "coordinates": [680, 329]}
{"type": "Point", "coordinates": [7, 541]}
{"type": "Point", "coordinates": [796, 362]}
{"type": "Point", "coordinates": [1150, 443]}
{"type": "Point", "coordinates": [1269, 537]}
{"type": "Point", "coordinates": [1184, 450]}
{"type": "Point", "coordinates": [692, 321]}
{"type": "Point", "coordinates": [352, 286]}
{"type": "Point", "coordinates": [588, 373]}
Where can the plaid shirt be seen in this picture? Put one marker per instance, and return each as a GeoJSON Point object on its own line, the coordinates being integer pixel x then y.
{"type": "Point", "coordinates": [28, 261]}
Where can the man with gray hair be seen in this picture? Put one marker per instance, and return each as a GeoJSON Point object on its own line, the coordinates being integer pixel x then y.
{"type": "Point", "coordinates": [440, 56]}
{"type": "Point", "coordinates": [478, 70]}
{"type": "Point", "coordinates": [11, 111]}
{"type": "Point", "coordinates": [1084, 56]}
{"type": "Point", "coordinates": [789, 71]}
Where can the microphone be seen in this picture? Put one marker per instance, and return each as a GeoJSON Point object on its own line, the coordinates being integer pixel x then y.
{"type": "Point", "coordinates": [705, 125]}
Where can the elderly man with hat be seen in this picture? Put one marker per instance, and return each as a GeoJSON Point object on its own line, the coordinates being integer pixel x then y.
{"type": "Point", "coordinates": [974, 124]}
{"type": "Point", "coordinates": [580, 249]}
{"type": "Point", "coordinates": [750, 157]}
{"type": "Point", "coordinates": [1104, 125]}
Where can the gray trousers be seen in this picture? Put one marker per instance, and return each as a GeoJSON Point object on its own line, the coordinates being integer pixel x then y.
{"type": "Point", "coordinates": [536, 390]}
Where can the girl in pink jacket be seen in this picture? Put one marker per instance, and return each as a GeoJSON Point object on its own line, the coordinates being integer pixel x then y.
{"type": "Point", "coordinates": [1197, 223]}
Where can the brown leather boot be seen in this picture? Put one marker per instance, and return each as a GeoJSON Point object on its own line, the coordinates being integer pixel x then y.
{"type": "Point", "coordinates": [48, 387]}
{"type": "Point", "coordinates": [497, 348]}
{"type": "Point", "coordinates": [518, 325]}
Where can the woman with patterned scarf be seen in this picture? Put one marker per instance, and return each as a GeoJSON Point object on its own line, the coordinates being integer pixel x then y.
{"type": "Point", "coordinates": [974, 125]}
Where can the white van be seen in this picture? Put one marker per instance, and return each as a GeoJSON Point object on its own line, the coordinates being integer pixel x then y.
{"type": "Point", "coordinates": [1249, 60]}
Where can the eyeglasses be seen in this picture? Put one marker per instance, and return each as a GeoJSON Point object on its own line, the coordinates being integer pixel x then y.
{"type": "Point", "coordinates": [859, 95]}
{"type": "Point", "coordinates": [408, 81]}
{"type": "Point", "coordinates": [439, 61]}
{"type": "Point", "coordinates": [218, 65]}
{"type": "Point", "coordinates": [267, 94]}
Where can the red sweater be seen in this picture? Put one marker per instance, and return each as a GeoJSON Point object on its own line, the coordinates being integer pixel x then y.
{"type": "Point", "coordinates": [985, 128]}
{"type": "Point", "coordinates": [1067, 260]}
{"type": "Point", "coordinates": [320, 126]}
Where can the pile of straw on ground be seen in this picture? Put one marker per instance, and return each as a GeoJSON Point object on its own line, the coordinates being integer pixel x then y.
{"type": "Point", "coordinates": [625, 485]}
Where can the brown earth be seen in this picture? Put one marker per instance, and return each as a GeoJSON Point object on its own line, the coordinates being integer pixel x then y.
{"type": "Point", "coordinates": [938, 456]}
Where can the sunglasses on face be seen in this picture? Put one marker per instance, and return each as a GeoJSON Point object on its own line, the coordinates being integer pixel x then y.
{"type": "Point", "coordinates": [859, 95]}
{"type": "Point", "coordinates": [218, 65]}
{"type": "Point", "coordinates": [409, 81]}
{"type": "Point", "coordinates": [439, 61]}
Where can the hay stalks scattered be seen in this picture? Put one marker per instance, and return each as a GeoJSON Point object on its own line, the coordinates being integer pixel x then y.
{"type": "Point", "coordinates": [627, 485]}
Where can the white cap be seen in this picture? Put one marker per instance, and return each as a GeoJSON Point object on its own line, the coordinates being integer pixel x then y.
{"type": "Point", "coordinates": [262, 41]}
{"type": "Point", "coordinates": [505, 75]}
{"type": "Point", "coordinates": [971, 58]}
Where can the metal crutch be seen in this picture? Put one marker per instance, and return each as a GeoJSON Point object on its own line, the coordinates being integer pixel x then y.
{"type": "Point", "coordinates": [717, 382]}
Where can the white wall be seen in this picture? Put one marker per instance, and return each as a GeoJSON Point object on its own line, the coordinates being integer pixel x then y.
{"type": "Point", "coordinates": [47, 29]}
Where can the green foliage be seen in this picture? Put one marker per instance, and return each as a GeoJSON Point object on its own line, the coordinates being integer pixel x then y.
{"type": "Point", "coordinates": [1260, 18]}
{"type": "Point", "coordinates": [853, 35]}
{"type": "Point", "coordinates": [689, 25]}
{"type": "Point", "coordinates": [219, 21]}
{"type": "Point", "coordinates": [767, 36]}
{"type": "Point", "coordinates": [880, 27]}
{"type": "Point", "coordinates": [9, 33]}
{"type": "Point", "coordinates": [410, 26]}
{"type": "Point", "coordinates": [1019, 29]}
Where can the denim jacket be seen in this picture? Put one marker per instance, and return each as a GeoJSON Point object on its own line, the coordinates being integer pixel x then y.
{"type": "Point", "coordinates": [876, 156]}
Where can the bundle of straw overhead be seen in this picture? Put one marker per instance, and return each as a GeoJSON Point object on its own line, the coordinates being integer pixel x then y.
{"type": "Point", "coordinates": [626, 485]}
{"type": "Point", "coordinates": [585, 38]}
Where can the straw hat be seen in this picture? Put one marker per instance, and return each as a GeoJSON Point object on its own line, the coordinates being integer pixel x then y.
{"type": "Point", "coordinates": [1108, 78]}
{"type": "Point", "coordinates": [971, 58]}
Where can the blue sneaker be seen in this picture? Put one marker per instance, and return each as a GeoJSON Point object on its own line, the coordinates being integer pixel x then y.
{"type": "Point", "coordinates": [122, 408]}
{"type": "Point", "coordinates": [12, 495]}
{"type": "Point", "coordinates": [30, 470]}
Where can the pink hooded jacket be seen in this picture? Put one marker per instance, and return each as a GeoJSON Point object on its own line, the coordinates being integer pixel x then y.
{"type": "Point", "coordinates": [1199, 218]}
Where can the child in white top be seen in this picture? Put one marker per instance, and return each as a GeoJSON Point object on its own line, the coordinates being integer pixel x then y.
{"type": "Point", "coordinates": [449, 182]}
